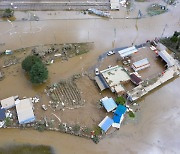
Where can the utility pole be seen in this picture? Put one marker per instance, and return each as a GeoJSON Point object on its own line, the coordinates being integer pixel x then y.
{"type": "Point", "coordinates": [164, 30]}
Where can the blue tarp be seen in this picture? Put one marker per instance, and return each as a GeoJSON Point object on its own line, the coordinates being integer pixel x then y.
{"type": "Point", "coordinates": [117, 118]}
{"type": "Point", "coordinates": [106, 123]}
{"type": "Point", "coordinates": [109, 104]}
{"type": "Point", "coordinates": [2, 114]}
{"type": "Point", "coordinates": [121, 109]}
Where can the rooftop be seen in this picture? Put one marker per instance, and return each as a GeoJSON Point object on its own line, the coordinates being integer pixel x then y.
{"type": "Point", "coordinates": [115, 75]}
{"type": "Point", "coordinates": [106, 123]}
{"type": "Point", "coordinates": [109, 104]}
{"type": "Point", "coordinates": [25, 111]}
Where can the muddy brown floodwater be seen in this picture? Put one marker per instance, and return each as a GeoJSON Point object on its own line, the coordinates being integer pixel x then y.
{"type": "Point", "coordinates": [157, 130]}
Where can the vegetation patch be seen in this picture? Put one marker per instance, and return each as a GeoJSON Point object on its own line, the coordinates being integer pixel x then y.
{"type": "Point", "coordinates": [173, 43]}
{"type": "Point", "coordinates": [156, 9]}
{"type": "Point", "coordinates": [27, 149]}
{"type": "Point", "coordinates": [8, 14]}
{"type": "Point", "coordinates": [131, 114]}
{"type": "Point", "coordinates": [120, 100]}
{"type": "Point", "coordinates": [97, 131]}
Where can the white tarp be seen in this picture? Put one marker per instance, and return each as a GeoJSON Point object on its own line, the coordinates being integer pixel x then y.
{"type": "Point", "coordinates": [25, 111]}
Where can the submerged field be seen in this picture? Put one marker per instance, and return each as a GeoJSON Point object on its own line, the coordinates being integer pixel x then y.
{"type": "Point", "coordinates": [26, 149]}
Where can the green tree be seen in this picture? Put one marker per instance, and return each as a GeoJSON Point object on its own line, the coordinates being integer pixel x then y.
{"type": "Point", "coordinates": [29, 61]}
{"type": "Point", "coordinates": [8, 13]}
{"type": "Point", "coordinates": [38, 73]}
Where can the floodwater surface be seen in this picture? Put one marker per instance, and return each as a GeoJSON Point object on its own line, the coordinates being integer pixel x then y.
{"type": "Point", "coordinates": [157, 131]}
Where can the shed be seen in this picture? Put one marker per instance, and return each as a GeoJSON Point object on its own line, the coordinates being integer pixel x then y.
{"type": "Point", "coordinates": [167, 58]}
{"type": "Point", "coordinates": [115, 4]}
{"type": "Point", "coordinates": [121, 109]}
{"type": "Point", "coordinates": [101, 82]}
{"type": "Point", "coordinates": [2, 114]}
{"type": "Point", "coordinates": [135, 79]}
{"type": "Point", "coordinates": [106, 123]}
{"type": "Point", "coordinates": [127, 51]}
{"type": "Point", "coordinates": [25, 111]}
{"type": "Point", "coordinates": [109, 104]}
{"type": "Point", "coordinates": [141, 64]}
{"type": "Point", "coordinates": [8, 102]}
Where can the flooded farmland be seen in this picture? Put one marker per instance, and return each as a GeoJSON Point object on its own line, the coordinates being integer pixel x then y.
{"type": "Point", "coordinates": [157, 129]}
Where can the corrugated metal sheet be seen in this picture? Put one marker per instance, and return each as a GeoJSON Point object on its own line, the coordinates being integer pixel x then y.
{"type": "Point", "coordinates": [101, 82]}
{"type": "Point", "coordinates": [141, 64]}
{"type": "Point", "coordinates": [109, 104]}
{"type": "Point", "coordinates": [106, 123]}
{"type": "Point", "coordinates": [25, 111]}
{"type": "Point", "coordinates": [128, 51]}
{"type": "Point", "coordinates": [167, 58]}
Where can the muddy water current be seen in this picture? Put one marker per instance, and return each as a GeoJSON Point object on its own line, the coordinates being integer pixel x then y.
{"type": "Point", "coordinates": [156, 131]}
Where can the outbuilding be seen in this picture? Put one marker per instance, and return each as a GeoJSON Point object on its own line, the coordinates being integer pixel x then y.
{"type": "Point", "coordinates": [106, 123]}
{"type": "Point", "coordinates": [167, 58]}
{"type": "Point", "coordinates": [108, 103]}
{"type": "Point", "coordinates": [127, 51]}
{"type": "Point", "coordinates": [25, 111]}
{"type": "Point", "coordinates": [8, 103]}
{"type": "Point", "coordinates": [135, 79]}
{"type": "Point", "coordinates": [115, 5]}
{"type": "Point", "coordinates": [141, 64]}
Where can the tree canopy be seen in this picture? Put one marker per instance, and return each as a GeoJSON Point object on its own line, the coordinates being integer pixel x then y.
{"type": "Point", "coordinates": [38, 73]}
{"type": "Point", "coordinates": [29, 61]}
{"type": "Point", "coordinates": [35, 68]}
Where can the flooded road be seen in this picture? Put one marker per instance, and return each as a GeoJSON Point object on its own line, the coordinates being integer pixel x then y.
{"type": "Point", "coordinates": [158, 127]}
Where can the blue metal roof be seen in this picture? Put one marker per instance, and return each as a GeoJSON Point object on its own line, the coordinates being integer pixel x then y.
{"type": "Point", "coordinates": [106, 123]}
{"type": "Point", "coordinates": [121, 109]}
{"type": "Point", "coordinates": [109, 104]}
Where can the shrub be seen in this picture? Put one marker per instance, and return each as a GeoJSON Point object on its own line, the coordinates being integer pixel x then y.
{"type": "Point", "coordinates": [76, 128]}
{"type": "Point", "coordinates": [8, 122]}
{"type": "Point", "coordinates": [131, 114]}
{"type": "Point", "coordinates": [8, 13]}
{"type": "Point", "coordinates": [38, 73]}
{"type": "Point", "coordinates": [120, 100]}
